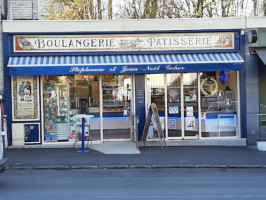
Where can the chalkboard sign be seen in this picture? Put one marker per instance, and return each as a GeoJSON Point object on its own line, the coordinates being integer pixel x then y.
{"type": "Point", "coordinates": [153, 110]}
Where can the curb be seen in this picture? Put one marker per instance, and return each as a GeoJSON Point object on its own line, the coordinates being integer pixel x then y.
{"type": "Point", "coordinates": [132, 167]}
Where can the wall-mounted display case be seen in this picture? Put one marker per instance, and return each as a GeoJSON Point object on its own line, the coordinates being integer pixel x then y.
{"type": "Point", "coordinates": [56, 111]}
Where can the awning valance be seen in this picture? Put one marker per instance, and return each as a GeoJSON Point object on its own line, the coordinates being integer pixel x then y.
{"type": "Point", "coordinates": [124, 64]}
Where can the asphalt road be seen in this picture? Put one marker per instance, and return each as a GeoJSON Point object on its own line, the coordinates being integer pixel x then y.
{"type": "Point", "coordinates": [132, 184]}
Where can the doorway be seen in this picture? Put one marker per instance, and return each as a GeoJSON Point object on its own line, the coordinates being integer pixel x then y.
{"type": "Point", "coordinates": [117, 106]}
{"type": "Point", "coordinates": [180, 91]}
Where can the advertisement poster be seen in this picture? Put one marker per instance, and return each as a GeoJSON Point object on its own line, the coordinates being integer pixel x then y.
{"type": "Point", "coordinates": [173, 110]}
{"type": "Point", "coordinates": [174, 95]}
{"type": "Point", "coordinates": [25, 98]}
{"type": "Point", "coordinates": [189, 111]}
{"type": "Point", "coordinates": [190, 123]}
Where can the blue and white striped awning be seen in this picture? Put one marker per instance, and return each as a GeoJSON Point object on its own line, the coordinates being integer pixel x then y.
{"type": "Point", "coordinates": [124, 64]}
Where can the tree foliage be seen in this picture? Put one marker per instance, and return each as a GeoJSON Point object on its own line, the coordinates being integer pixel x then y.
{"type": "Point", "coordinates": [140, 9]}
{"type": "Point", "coordinates": [68, 10]}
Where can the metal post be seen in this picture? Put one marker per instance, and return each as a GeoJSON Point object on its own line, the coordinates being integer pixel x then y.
{"type": "Point", "coordinates": [83, 138]}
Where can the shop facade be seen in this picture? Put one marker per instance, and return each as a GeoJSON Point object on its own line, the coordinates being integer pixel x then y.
{"type": "Point", "coordinates": [193, 76]}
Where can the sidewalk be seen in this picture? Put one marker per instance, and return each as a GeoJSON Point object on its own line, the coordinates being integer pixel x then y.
{"type": "Point", "coordinates": [150, 157]}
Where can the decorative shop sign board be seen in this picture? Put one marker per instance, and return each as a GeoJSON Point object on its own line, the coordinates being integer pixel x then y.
{"type": "Point", "coordinates": [124, 42]}
{"type": "Point", "coordinates": [25, 100]}
{"type": "Point", "coordinates": [153, 111]}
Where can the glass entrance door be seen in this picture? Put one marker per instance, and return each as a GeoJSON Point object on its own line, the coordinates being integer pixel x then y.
{"type": "Point", "coordinates": [117, 107]}
{"type": "Point", "coordinates": [190, 102]}
{"type": "Point", "coordinates": [174, 105]}
{"type": "Point", "coordinates": [155, 87]}
{"type": "Point", "coordinates": [176, 96]}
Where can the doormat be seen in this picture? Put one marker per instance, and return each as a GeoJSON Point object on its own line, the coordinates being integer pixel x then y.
{"type": "Point", "coordinates": [123, 147]}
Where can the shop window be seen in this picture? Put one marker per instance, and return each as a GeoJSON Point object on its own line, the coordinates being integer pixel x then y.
{"type": "Point", "coordinates": [65, 96]}
{"type": "Point", "coordinates": [219, 102]}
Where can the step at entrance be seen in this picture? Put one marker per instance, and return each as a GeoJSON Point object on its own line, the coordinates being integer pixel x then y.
{"type": "Point", "coordinates": [123, 147]}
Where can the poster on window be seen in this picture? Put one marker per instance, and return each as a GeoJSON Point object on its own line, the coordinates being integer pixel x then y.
{"type": "Point", "coordinates": [189, 111]}
{"type": "Point", "coordinates": [190, 123]}
{"type": "Point", "coordinates": [25, 99]}
{"type": "Point", "coordinates": [173, 110]}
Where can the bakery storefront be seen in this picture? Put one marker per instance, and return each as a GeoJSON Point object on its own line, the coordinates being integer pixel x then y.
{"type": "Point", "coordinates": [194, 79]}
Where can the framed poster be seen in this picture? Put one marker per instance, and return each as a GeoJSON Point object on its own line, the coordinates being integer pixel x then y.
{"type": "Point", "coordinates": [25, 98]}
{"type": "Point", "coordinates": [172, 124]}
{"type": "Point", "coordinates": [190, 123]}
{"type": "Point", "coordinates": [173, 110]}
{"type": "Point", "coordinates": [189, 111]}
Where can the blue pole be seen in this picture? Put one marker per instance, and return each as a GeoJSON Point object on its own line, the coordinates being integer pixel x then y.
{"type": "Point", "coordinates": [83, 134]}
{"type": "Point", "coordinates": [83, 138]}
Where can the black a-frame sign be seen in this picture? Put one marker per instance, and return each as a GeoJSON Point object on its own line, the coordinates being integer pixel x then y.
{"type": "Point", "coordinates": [153, 110]}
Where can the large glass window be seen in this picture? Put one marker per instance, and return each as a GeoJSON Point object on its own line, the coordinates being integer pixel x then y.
{"type": "Point", "coordinates": [219, 104]}
{"type": "Point", "coordinates": [65, 96]}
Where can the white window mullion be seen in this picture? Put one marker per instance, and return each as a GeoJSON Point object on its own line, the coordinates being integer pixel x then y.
{"type": "Point", "coordinates": [182, 108]}
{"type": "Point", "coordinates": [101, 108]}
{"type": "Point", "coordinates": [166, 105]}
{"type": "Point", "coordinates": [199, 107]}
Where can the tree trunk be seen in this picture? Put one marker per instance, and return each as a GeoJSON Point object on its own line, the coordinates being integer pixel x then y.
{"type": "Point", "coordinates": [147, 10]}
{"type": "Point", "coordinates": [91, 9]}
{"type": "Point", "coordinates": [110, 9]}
{"type": "Point", "coordinates": [154, 6]}
{"type": "Point", "coordinates": [85, 10]}
{"type": "Point", "coordinates": [264, 8]}
{"type": "Point", "coordinates": [223, 6]}
{"type": "Point", "coordinates": [255, 3]}
{"type": "Point", "coordinates": [199, 9]}
{"type": "Point", "coordinates": [99, 5]}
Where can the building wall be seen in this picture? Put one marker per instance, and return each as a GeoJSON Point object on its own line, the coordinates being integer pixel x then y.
{"type": "Point", "coordinates": [262, 98]}
{"type": "Point", "coordinates": [23, 9]}
{"type": "Point", "coordinates": [255, 85]}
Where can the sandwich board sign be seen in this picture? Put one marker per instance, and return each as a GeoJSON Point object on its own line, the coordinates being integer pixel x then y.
{"type": "Point", "coordinates": [153, 111]}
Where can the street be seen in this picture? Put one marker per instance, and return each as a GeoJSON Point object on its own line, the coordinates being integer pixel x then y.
{"type": "Point", "coordinates": [131, 184]}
